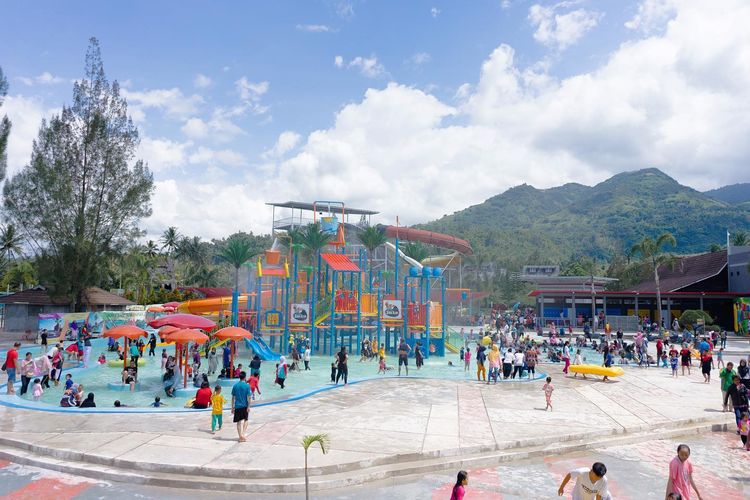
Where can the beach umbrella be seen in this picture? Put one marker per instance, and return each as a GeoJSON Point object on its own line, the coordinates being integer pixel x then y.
{"type": "Point", "coordinates": [185, 336]}
{"type": "Point", "coordinates": [173, 305]}
{"type": "Point", "coordinates": [183, 321]}
{"type": "Point", "coordinates": [166, 331]}
{"type": "Point", "coordinates": [128, 332]}
{"type": "Point", "coordinates": [233, 333]}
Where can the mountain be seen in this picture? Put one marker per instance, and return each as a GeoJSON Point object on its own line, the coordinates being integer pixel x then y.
{"type": "Point", "coordinates": [734, 194]}
{"type": "Point", "coordinates": [525, 225]}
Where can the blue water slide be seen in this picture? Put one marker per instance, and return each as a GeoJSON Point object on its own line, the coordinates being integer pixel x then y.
{"type": "Point", "coordinates": [260, 348]}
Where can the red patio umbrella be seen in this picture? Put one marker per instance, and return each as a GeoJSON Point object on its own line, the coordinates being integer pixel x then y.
{"type": "Point", "coordinates": [173, 305]}
{"type": "Point", "coordinates": [183, 321]}
{"type": "Point", "coordinates": [128, 332]}
{"type": "Point", "coordinates": [186, 336]}
{"type": "Point", "coordinates": [233, 333]}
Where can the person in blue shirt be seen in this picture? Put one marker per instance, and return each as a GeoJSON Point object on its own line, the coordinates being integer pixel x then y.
{"type": "Point", "coordinates": [703, 346]}
{"type": "Point", "coordinates": [226, 352]}
{"type": "Point", "coordinates": [241, 406]}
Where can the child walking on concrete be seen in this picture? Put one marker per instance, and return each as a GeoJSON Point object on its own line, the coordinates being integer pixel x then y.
{"type": "Point", "coordinates": [548, 388]}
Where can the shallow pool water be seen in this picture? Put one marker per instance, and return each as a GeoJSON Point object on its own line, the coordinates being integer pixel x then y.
{"type": "Point", "coordinates": [97, 377]}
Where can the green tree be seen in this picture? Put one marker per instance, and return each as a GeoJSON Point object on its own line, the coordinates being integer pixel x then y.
{"type": "Point", "coordinates": [415, 250]}
{"type": "Point", "coordinates": [204, 276]}
{"type": "Point", "coordinates": [652, 251]}
{"type": "Point", "coordinates": [10, 242]}
{"type": "Point", "coordinates": [740, 238]}
{"type": "Point", "coordinates": [715, 247]}
{"type": "Point", "coordinates": [170, 238]}
{"type": "Point", "coordinates": [83, 192]}
{"type": "Point", "coordinates": [236, 253]}
{"type": "Point", "coordinates": [307, 441]}
{"type": "Point", "coordinates": [372, 238]}
{"type": "Point", "coordinates": [20, 274]}
{"type": "Point", "coordinates": [4, 127]}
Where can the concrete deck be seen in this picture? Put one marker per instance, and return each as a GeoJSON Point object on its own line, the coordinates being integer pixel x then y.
{"type": "Point", "coordinates": [378, 429]}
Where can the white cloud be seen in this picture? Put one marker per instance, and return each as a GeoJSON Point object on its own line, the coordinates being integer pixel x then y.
{"type": "Point", "coordinates": [287, 141]}
{"type": "Point", "coordinates": [338, 61]}
{"type": "Point", "coordinates": [219, 127]}
{"type": "Point", "coordinates": [171, 101]}
{"type": "Point", "coordinates": [420, 58]}
{"type": "Point", "coordinates": [195, 128]}
{"type": "Point", "coordinates": [434, 12]}
{"type": "Point", "coordinates": [251, 94]}
{"type": "Point", "coordinates": [505, 4]}
{"type": "Point", "coordinates": [561, 30]}
{"type": "Point", "coordinates": [45, 78]}
{"type": "Point", "coordinates": [314, 28]}
{"type": "Point", "coordinates": [25, 114]}
{"type": "Point", "coordinates": [345, 9]}
{"type": "Point", "coordinates": [214, 157]}
{"type": "Point", "coordinates": [652, 14]}
{"type": "Point", "coordinates": [162, 154]}
{"type": "Point", "coordinates": [202, 81]}
{"type": "Point", "coordinates": [368, 66]}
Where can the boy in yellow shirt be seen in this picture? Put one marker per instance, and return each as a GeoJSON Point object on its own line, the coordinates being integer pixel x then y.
{"type": "Point", "coordinates": [217, 407]}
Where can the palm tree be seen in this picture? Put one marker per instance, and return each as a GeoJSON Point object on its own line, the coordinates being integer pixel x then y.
{"type": "Point", "coordinates": [10, 242]}
{"type": "Point", "coordinates": [170, 239]}
{"type": "Point", "coordinates": [416, 251]}
{"type": "Point", "coordinates": [307, 441]}
{"type": "Point", "coordinates": [740, 239]}
{"type": "Point", "coordinates": [204, 276]}
{"type": "Point", "coordinates": [651, 251]}
{"type": "Point", "coordinates": [236, 252]}
{"type": "Point", "coordinates": [150, 249]}
{"type": "Point", "coordinates": [372, 238]}
{"type": "Point", "coordinates": [715, 247]}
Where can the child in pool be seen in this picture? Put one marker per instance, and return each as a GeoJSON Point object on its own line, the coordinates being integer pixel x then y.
{"type": "Point", "coordinates": [157, 402]}
{"type": "Point", "coordinates": [381, 367]}
{"type": "Point", "coordinates": [333, 372]}
{"type": "Point", "coordinates": [68, 381]}
{"type": "Point", "coordinates": [37, 391]}
{"type": "Point", "coordinates": [254, 383]}
{"type": "Point", "coordinates": [102, 359]}
{"type": "Point", "coordinates": [467, 360]}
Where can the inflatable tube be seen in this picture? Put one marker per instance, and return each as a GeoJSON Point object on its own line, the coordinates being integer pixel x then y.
{"type": "Point", "coordinates": [117, 363]}
{"type": "Point", "coordinates": [614, 371]}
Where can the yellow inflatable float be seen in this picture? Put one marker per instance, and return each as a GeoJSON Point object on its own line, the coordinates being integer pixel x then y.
{"type": "Point", "coordinates": [614, 371]}
{"type": "Point", "coordinates": [117, 363]}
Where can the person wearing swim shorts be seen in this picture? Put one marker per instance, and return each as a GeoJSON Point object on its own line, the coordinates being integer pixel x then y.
{"type": "Point", "coordinates": [403, 356]}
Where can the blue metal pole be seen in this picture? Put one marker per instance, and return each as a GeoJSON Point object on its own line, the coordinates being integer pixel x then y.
{"type": "Point", "coordinates": [427, 324]}
{"type": "Point", "coordinates": [359, 314]}
{"type": "Point", "coordinates": [406, 319]}
{"type": "Point", "coordinates": [442, 301]}
{"type": "Point", "coordinates": [379, 309]}
{"type": "Point", "coordinates": [332, 319]}
{"type": "Point", "coordinates": [295, 273]}
{"type": "Point", "coordinates": [286, 311]}
{"type": "Point", "coordinates": [313, 303]}
{"type": "Point", "coordinates": [395, 271]}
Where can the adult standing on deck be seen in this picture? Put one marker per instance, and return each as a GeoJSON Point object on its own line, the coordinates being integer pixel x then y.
{"type": "Point", "coordinates": [241, 406]}
{"type": "Point", "coordinates": [739, 395]}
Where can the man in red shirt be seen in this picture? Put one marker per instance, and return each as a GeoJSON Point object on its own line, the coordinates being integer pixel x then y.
{"type": "Point", "coordinates": [11, 364]}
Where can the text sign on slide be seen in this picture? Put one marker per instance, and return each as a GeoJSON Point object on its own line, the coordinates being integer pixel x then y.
{"type": "Point", "coordinates": [392, 309]}
{"type": "Point", "coordinates": [299, 314]}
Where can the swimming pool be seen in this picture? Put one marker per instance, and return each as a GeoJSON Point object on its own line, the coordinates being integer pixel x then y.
{"type": "Point", "coordinates": [97, 378]}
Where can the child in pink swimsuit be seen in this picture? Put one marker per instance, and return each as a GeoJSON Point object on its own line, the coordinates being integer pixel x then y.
{"type": "Point", "coordinates": [548, 388]}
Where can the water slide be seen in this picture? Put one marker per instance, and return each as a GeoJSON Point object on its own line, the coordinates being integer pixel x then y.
{"type": "Point", "coordinates": [442, 260]}
{"type": "Point", "coordinates": [430, 238]}
{"type": "Point", "coordinates": [260, 348]}
{"type": "Point", "coordinates": [403, 256]}
{"type": "Point", "coordinates": [212, 305]}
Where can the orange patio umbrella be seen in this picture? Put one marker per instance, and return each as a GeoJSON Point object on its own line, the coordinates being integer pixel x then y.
{"type": "Point", "coordinates": [166, 331]}
{"type": "Point", "coordinates": [128, 332]}
{"type": "Point", "coordinates": [186, 336]}
{"type": "Point", "coordinates": [233, 333]}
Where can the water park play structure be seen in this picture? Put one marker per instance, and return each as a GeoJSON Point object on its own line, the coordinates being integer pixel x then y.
{"type": "Point", "coordinates": [339, 294]}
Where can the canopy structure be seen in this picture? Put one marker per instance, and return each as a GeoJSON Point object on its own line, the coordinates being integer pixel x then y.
{"type": "Point", "coordinates": [128, 332]}
{"type": "Point", "coordinates": [183, 321]}
{"type": "Point", "coordinates": [166, 331]}
{"type": "Point", "coordinates": [233, 333]}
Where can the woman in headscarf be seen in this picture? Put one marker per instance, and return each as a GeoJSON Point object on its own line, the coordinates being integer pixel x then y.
{"type": "Point", "coordinates": [281, 371]}
{"type": "Point", "coordinates": [494, 358]}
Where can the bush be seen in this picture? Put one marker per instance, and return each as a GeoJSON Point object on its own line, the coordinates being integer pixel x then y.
{"type": "Point", "coordinates": [690, 318]}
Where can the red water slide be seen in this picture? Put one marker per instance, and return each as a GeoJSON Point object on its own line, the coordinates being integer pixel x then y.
{"type": "Point", "coordinates": [430, 238]}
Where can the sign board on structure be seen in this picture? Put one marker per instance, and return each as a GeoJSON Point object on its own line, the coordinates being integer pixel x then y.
{"type": "Point", "coordinates": [392, 309]}
{"type": "Point", "coordinates": [299, 314]}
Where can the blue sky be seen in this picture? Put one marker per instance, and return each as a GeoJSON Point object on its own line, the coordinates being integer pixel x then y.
{"type": "Point", "coordinates": [412, 108]}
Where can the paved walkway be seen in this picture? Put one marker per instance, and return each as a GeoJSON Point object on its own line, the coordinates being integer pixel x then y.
{"type": "Point", "coordinates": [372, 424]}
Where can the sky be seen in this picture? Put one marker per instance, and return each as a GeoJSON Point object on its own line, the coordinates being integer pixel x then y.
{"type": "Point", "coordinates": [414, 109]}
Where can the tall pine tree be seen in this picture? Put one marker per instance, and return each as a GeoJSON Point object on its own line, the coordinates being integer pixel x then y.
{"type": "Point", "coordinates": [4, 127]}
{"type": "Point", "coordinates": [83, 191]}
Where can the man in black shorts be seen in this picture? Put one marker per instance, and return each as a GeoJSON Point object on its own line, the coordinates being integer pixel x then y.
{"type": "Point", "coordinates": [403, 356]}
{"type": "Point", "coordinates": [240, 406]}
